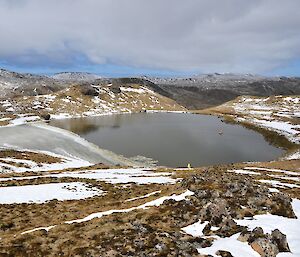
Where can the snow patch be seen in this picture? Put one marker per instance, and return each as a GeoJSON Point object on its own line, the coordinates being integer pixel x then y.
{"type": "Point", "coordinates": [45, 192]}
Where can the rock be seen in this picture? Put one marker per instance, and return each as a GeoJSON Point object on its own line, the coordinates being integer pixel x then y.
{"type": "Point", "coordinates": [6, 226]}
{"type": "Point", "coordinates": [258, 202]}
{"type": "Point", "coordinates": [233, 187]}
{"type": "Point", "coordinates": [280, 240]}
{"type": "Point", "coordinates": [202, 194]}
{"type": "Point", "coordinates": [247, 212]}
{"type": "Point", "coordinates": [46, 116]}
{"type": "Point", "coordinates": [228, 194]}
{"type": "Point", "coordinates": [111, 253]}
{"type": "Point", "coordinates": [281, 205]}
{"type": "Point", "coordinates": [161, 247]}
{"type": "Point", "coordinates": [244, 236]}
{"type": "Point", "coordinates": [115, 89]}
{"type": "Point", "coordinates": [256, 233]}
{"type": "Point", "coordinates": [207, 230]}
{"type": "Point", "coordinates": [139, 243]}
{"type": "Point", "coordinates": [265, 247]}
{"type": "Point", "coordinates": [89, 90]}
{"type": "Point", "coordinates": [200, 242]}
{"type": "Point", "coordinates": [141, 228]}
{"type": "Point", "coordinates": [224, 253]}
{"type": "Point", "coordinates": [214, 212]}
{"type": "Point", "coordinates": [192, 181]}
{"type": "Point", "coordinates": [228, 227]}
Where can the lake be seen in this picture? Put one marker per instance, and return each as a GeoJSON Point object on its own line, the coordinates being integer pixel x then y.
{"type": "Point", "coordinates": [173, 139]}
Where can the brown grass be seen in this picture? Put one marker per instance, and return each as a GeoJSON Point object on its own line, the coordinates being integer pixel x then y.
{"type": "Point", "coordinates": [30, 156]}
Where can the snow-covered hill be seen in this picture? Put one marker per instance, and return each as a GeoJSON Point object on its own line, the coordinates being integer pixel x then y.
{"type": "Point", "coordinates": [14, 84]}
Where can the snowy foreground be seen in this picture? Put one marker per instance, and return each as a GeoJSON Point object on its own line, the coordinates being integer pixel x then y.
{"type": "Point", "coordinates": [267, 222]}
{"type": "Point", "coordinates": [190, 209]}
{"type": "Point", "coordinates": [65, 191]}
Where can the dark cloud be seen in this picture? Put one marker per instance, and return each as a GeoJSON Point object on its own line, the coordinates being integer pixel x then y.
{"type": "Point", "coordinates": [190, 35]}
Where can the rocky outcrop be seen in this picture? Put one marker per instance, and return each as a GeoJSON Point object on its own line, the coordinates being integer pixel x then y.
{"type": "Point", "coordinates": [46, 116]}
{"type": "Point", "coordinates": [115, 89]}
{"type": "Point", "coordinates": [89, 90]}
{"type": "Point", "coordinates": [281, 241]}
{"type": "Point", "coordinates": [267, 245]}
{"type": "Point", "coordinates": [281, 205]}
{"type": "Point", "coordinates": [224, 253]}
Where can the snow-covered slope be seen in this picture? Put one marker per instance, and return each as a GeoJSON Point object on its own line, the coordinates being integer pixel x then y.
{"type": "Point", "coordinates": [88, 100]}
{"type": "Point", "coordinates": [15, 84]}
{"type": "Point", "coordinates": [276, 113]}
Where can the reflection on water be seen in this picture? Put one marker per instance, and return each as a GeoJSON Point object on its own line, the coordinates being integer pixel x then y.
{"type": "Point", "coordinates": [83, 126]}
{"type": "Point", "coordinates": [173, 139]}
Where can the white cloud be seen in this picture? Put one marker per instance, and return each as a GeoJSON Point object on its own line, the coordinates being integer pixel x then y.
{"type": "Point", "coordinates": [202, 35]}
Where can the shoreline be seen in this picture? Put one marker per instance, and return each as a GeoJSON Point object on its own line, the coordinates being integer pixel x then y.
{"type": "Point", "coordinates": [290, 152]}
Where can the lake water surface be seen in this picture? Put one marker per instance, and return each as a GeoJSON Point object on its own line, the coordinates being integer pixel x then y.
{"type": "Point", "coordinates": [173, 139]}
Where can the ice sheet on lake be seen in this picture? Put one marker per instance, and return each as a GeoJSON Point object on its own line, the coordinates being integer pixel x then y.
{"type": "Point", "coordinates": [41, 137]}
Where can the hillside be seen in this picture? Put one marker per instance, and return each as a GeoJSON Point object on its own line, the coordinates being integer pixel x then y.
{"type": "Point", "coordinates": [17, 84]}
{"type": "Point", "coordinates": [205, 91]}
{"type": "Point", "coordinates": [85, 100]}
{"type": "Point", "coordinates": [279, 114]}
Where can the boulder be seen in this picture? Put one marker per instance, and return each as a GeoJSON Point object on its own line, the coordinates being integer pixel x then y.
{"type": "Point", "coordinates": [265, 247]}
{"type": "Point", "coordinates": [244, 236]}
{"type": "Point", "coordinates": [265, 244]}
{"type": "Point", "coordinates": [89, 90]}
{"type": "Point", "coordinates": [46, 116]}
{"type": "Point", "coordinates": [115, 89]}
{"type": "Point", "coordinates": [228, 227]}
{"type": "Point", "coordinates": [256, 233]}
{"type": "Point", "coordinates": [224, 253]}
{"type": "Point", "coordinates": [214, 212]}
{"type": "Point", "coordinates": [281, 241]}
{"type": "Point", "coordinates": [200, 242]}
{"type": "Point", "coordinates": [281, 205]}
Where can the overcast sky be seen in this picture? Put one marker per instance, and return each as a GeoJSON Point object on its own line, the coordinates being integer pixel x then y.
{"type": "Point", "coordinates": [166, 37]}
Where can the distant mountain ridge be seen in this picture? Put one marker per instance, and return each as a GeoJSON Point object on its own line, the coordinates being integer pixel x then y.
{"type": "Point", "coordinates": [197, 92]}
{"type": "Point", "coordinates": [208, 90]}
{"type": "Point", "coordinates": [75, 76]}
{"type": "Point", "coordinates": [14, 84]}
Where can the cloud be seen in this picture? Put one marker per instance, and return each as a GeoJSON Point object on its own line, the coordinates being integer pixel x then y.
{"type": "Point", "coordinates": [191, 35]}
